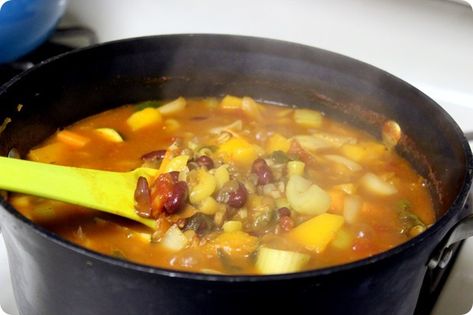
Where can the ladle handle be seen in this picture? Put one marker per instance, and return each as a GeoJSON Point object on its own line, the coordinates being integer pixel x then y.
{"type": "Point", "coordinates": [102, 190]}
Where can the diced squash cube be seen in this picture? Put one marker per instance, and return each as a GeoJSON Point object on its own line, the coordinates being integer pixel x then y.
{"type": "Point", "coordinates": [173, 107]}
{"type": "Point", "coordinates": [72, 139]}
{"type": "Point", "coordinates": [174, 239]}
{"type": "Point", "coordinates": [109, 134]}
{"type": "Point", "coordinates": [276, 261]}
{"type": "Point", "coordinates": [231, 102]}
{"type": "Point", "coordinates": [237, 243]}
{"type": "Point", "coordinates": [308, 118]}
{"type": "Point", "coordinates": [50, 153]}
{"type": "Point", "coordinates": [316, 233]}
{"type": "Point", "coordinates": [277, 142]}
{"type": "Point", "coordinates": [144, 118]}
{"type": "Point", "coordinates": [239, 151]}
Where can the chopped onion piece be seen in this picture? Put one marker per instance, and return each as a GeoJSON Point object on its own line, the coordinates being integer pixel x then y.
{"type": "Point", "coordinates": [335, 140]}
{"type": "Point", "coordinates": [237, 125]}
{"type": "Point", "coordinates": [174, 239]}
{"type": "Point", "coordinates": [173, 107]}
{"type": "Point", "coordinates": [109, 134]}
{"type": "Point", "coordinates": [376, 185]}
{"type": "Point", "coordinates": [305, 197]}
{"type": "Point", "coordinates": [311, 143]}
{"type": "Point", "coordinates": [251, 108]}
{"type": "Point", "coordinates": [351, 165]}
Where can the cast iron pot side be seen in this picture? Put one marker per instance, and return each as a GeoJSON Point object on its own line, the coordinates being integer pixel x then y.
{"type": "Point", "coordinates": [52, 276]}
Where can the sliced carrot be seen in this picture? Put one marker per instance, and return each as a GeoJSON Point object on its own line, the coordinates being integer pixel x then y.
{"type": "Point", "coordinates": [73, 139]}
{"type": "Point", "coordinates": [337, 198]}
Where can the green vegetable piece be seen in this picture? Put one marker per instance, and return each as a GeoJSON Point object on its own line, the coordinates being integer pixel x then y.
{"type": "Point", "coordinates": [407, 217]}
{"type": "Point", "coordinates": [202, 224]}
{"type": "Point", "coordinates": [279, 157]}
{"type": "Point", "coordinates": [145, 104]}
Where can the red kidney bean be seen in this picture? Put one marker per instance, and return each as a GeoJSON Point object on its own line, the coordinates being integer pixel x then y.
{"type": "Point", "coordinates": [263, 171]}
{"type": "Point", "coordinates": [177, 198]}
{"type": "Point", "coordinates": [142, 198]}
{"type": "Point", "coordinates": [206, 161]}
{"type": "Point", "coordinates": [154, 155]}
{"type": "Point", "coordinates": [237, 198]}
{"type": "Point", "coordinates": [286, 223]}
{"type": "Point", "coordinates": [174, 176]}
{"type": "Point", "coordinates": [284, 212]}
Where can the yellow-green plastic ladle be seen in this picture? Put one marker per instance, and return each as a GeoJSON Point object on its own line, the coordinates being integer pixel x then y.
{"type": "Point", "coordinates": [107, 191]}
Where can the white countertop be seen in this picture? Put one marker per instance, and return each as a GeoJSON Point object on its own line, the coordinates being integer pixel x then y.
{"type": "Point", "coordinates": [428, 43]}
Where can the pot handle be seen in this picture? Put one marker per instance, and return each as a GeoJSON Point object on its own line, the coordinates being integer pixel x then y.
{"type": "Point", "coordinates": [461, 231]}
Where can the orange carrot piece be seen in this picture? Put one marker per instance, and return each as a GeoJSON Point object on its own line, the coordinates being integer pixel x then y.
{"type": "Point", "coordinates": [73, 139]}
{"type": "Point", "coordinates": [337, 198]}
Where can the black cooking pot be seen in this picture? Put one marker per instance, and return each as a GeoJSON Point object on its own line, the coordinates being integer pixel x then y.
{"type": "Point", "coordinates": [52, 276]}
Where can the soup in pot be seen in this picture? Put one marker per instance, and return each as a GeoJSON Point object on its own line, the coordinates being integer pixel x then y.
{"type": "Point", "coordinates": [243, 187]}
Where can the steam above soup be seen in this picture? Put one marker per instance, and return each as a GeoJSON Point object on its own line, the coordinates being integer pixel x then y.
{"type": "Point", "coordinates": [243, 187]}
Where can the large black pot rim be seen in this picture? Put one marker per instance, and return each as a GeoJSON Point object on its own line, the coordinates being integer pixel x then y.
{"type": "Point", "coordinates": [457, 203]}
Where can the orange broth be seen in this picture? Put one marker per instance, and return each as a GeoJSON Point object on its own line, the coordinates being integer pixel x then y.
{"type": "Point", "coordinates": [357, 215]}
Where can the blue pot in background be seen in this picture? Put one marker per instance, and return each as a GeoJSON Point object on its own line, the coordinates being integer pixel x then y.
{"type": "Point", "coordinates": [25, 24]}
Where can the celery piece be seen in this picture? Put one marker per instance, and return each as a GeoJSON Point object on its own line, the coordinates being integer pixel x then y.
{"type": "Point", "coordinates": [274, 261]}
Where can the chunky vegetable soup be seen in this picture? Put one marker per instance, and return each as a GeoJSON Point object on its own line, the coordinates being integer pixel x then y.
{"type": "Point", "coordinates": [243, 187]}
